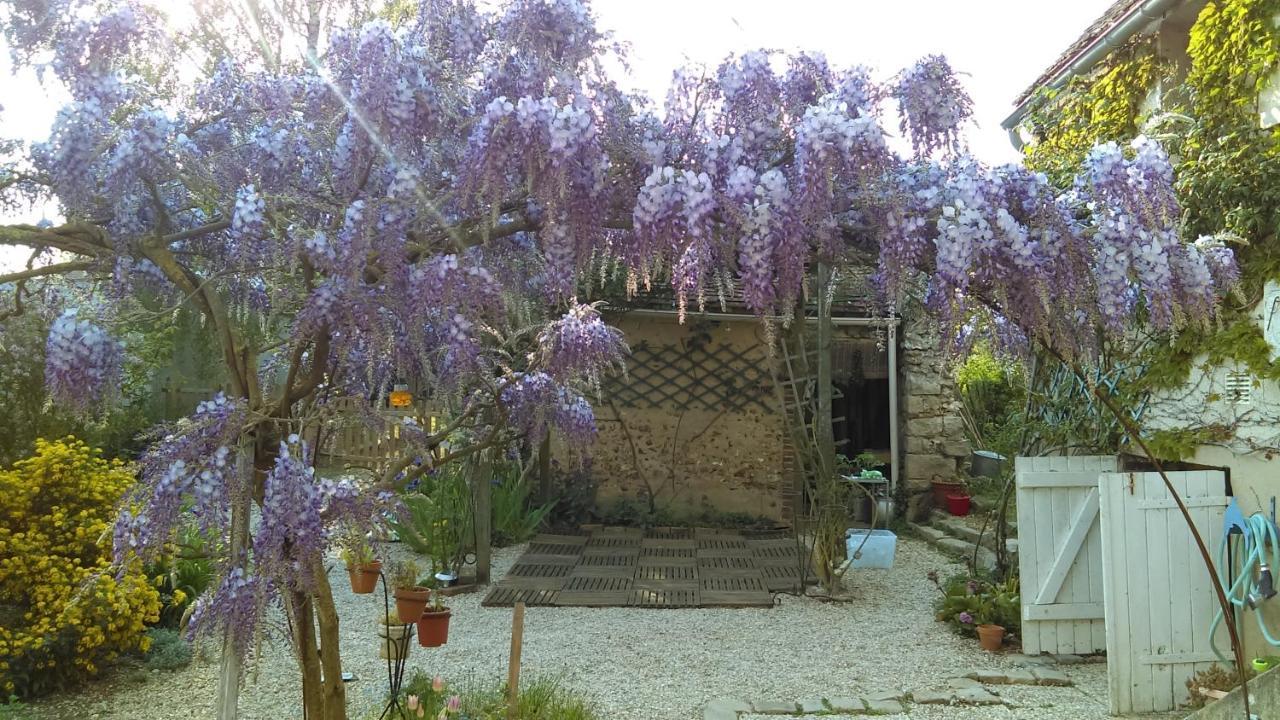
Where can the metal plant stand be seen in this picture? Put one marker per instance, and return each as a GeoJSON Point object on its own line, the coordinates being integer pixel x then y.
{"type": "Point", "coordinates": [395, 668]}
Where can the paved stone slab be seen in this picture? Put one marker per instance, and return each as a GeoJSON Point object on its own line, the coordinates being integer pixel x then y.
{"type": "Point", "coordinates": [813, 706]}
{"type": "Point", "coordinates": [930, 696]}
{"type": "Point", "coordinates": [960, 683]}
{"type": "Point", "coordinates": [1067, 659]}
{"type": "Point", "coordinates": [886, 695]}
{"type": "Point", "coordinates": [724, 709]}
{"type": "Point", "coordinates": [885, 707]}
{"type": "Point", "coordinates": [775, 707]}
{"type": "Point", "coordinates": [976, 696]}
{"type": "Point", "coordinates": [1050, 676]}
{"type": "Point", "coordinates": [952, 546]}
{"type": "Point", "coordinates": [846, 704]}
{"type": "Point", "coordinates": [1014, 676]}
{"type": "Point", "coordinates": [1031, 660]}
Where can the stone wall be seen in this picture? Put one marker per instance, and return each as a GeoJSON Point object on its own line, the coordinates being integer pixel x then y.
{"type": "Point", "coordinates": [933, 441]}
{"type": "Point", "coordinates": [698, 458]}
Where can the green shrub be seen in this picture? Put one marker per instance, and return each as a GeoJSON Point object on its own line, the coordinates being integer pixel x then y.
{"type": "Point", "coordinates": [968, 601]}
{"type": "Point", "coordinates": [181, 576]}
{"type": "Point", "coordinates": [515, 518]}
{"type": "Point", "coordinates": [64, 611]}
{"type": "Point", "coordinates": [169, 650]}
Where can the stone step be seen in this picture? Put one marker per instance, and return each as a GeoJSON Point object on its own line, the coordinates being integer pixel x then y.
{"type": "Point", "coordinates": [955, 547]}
{"type": "Point", "coordinates": [961, 530]}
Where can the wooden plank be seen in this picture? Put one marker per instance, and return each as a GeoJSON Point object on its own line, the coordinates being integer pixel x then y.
{"type": "Point", "coordinates": [1119, 645]}
{"type": "Point", "coordinates": [1063, 611]}
{"type": "Point", "coordinates": [1177, 658]}
{"type": "Point", "coordinates": [1045, 541]}
{"type": "Point", "coordinates": [1027, 567]}
{"type": "Point", "coordinates": [1160, 597]}
{"type": "Point", "coordinates": [1057, 480]}
{"type": "Point", "coordinates": [1081, 522]}
{"type": "Point", "coordinates": [1211, 501]}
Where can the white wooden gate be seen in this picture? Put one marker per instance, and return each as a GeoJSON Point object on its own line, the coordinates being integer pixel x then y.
{"type": "Point", "coordinates": [1159, 596]}
{"type": "Point", "coordinates": [1060, 553]}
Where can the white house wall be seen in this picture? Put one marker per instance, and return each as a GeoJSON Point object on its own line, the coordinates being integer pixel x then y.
{"type": "Point", "coordinates": [1253, 453]}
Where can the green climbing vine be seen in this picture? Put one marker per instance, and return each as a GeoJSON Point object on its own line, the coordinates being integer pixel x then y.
{"type": "Point", "coordinates": [1103, 106]}
{"type": "Point", "coordinates": [1228, 172]}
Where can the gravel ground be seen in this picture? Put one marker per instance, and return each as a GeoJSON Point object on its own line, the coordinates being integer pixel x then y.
{"type": "Point", "coordinates": [642, 664]}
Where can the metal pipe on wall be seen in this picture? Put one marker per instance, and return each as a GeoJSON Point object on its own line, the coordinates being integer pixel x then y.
{"type": "Point", "coordinates": [895, 465]}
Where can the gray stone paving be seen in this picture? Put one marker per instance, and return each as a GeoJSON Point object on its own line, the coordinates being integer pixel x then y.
{"type": "Point", "coordinates": [973, 688]}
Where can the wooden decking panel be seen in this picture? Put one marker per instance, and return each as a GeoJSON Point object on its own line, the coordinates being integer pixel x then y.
{"type": "Point", "coordinates": [661, 568]}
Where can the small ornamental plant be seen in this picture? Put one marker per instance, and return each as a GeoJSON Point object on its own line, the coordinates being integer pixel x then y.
{"type": "Point", "coordinates": [969, 602]}
{"type": "Point", "coordinates": [411, 596]}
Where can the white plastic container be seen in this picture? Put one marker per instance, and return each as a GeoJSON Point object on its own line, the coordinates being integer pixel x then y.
{"type": "Point", "coordinates": [876, 553]}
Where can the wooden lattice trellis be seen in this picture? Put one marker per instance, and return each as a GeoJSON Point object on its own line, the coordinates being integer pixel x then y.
{"type": "Point", "coordinates": [702, 376]}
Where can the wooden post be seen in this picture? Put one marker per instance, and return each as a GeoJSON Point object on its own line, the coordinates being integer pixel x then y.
{"type": "Point", "coordinates": [232, 664]}
{"type": "Point", "coordinates": [513, 670]}
{"type": "Point", "coordinates": [822, 422]}
{"type": "Point", "coordinates": [544, 470]}
{"type": "Point", "coordinates": [482, 494]}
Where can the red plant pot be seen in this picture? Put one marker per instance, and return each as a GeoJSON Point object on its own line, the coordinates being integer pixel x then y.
{"type": "Point", "coordinates": [433, 628]}
{"type": "Point", "coordinates": [958, 505]}
{"type": "Point", "coordinates": [364, 577]}
{"type": "Point", "coordinates": [410, 602]}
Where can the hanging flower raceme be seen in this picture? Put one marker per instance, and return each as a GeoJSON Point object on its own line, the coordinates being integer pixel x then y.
{"type": "Point", "coordinates": [932, 105]}
{"type": "Point", "coordinates": [235, 607]}
{"type": "Point", "coordinates": [535, 403]}
{"type": "Point", "coordinates": [291, 536]}
{"type": "Point", "coordinates": [580, 345]}
{"type": "Point", "coordinates": [82, 363]}
{"type": "Point", "coordinates": [188, 475]}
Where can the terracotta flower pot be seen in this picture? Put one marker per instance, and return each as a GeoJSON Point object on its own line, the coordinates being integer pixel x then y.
{"type": "Point", "coordinates": [958, 505]}
{"type": "Point", "coordinates": [410, 602]}
{"type": "Point", "coordinates": [991, 637]}
{"type": "Point", "coordinates": [393, 641]}
{"type": "Point", "coordinates": [943, 488]}
{"type": "Point", "coordinates": [433, 628]}
{"type": "Point", "coordinates": [364, 577]}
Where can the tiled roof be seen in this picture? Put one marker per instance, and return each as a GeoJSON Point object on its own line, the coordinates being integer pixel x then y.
{"type": "Point", "coordinates": [1113, 15]}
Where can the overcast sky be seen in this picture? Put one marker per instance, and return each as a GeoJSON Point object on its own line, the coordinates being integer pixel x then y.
{"type": "Point", "coordinates": [1001, 45]}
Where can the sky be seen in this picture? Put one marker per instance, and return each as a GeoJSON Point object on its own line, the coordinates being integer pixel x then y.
{"type": "Point", "coordinates": [1001, 46]}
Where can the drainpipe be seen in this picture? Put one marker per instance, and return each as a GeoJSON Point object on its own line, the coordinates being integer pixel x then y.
{"type": "Point", "coordinates": [894, 430]}
{"type": "Point", "coordinates": [1123, 29]}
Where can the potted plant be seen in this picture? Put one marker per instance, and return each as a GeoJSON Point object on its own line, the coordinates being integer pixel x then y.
{"type": "Point", "coordinates": [362, 568]}
{"type": "Point", "coordinates": [943, 487]}
{"type": "Point", "coordinates": [433, 625]}
{"type": "Point", "coordinates": [958, 504]}
{"type": "Point", "coordinates": [979, 607]}
{"type": "Point", "coordinates": [411, 598]}
{"type": "Point", "coordinates": [393, 637]}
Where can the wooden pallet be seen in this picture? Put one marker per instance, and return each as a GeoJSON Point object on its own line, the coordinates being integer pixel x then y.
{"type": "Point", "coordinates": [661, 568]}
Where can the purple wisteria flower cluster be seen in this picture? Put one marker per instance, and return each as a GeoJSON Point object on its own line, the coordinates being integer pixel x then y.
{"type": "Point", "coordinates": [82, 362]}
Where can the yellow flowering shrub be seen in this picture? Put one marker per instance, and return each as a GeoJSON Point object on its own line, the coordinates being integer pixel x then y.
{"type": "Point", "coordinates": [64, 612]}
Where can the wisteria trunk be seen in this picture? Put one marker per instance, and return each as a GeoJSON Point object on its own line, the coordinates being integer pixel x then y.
{"type": "Point", "coordinates": [232, 667]}
{"type": "Point", "coordinates": [315, 630]}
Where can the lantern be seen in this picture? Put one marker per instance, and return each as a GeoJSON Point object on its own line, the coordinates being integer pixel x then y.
{"type": "Point", "coordinates": [400, 396]}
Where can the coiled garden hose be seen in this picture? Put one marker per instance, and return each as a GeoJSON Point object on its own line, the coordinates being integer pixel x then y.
{"type": "Point", "coordinates": [1254, 584]}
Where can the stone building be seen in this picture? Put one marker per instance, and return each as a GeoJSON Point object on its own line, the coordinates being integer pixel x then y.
{"type": "Point", "coordinates": [697, 424]}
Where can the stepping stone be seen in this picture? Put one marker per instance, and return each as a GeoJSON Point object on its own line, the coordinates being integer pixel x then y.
{"type": "Point", "coordinates": [976, 696]}
{"type": "Point", "coordinates": [1002, 677]}
{"type": "Point", "coordinates": [1049, 676]}
{"type": "Point", "coordinates": [1019, 677]}
{"type": "Point", "coordinates": [775, 707]}
{"type": "Point", "coordinates": [929, 696]}
{"type": "Point", "coordinates": [847, 704]}
{"type": "Point", "coordinates": [885, 707]}
{"type": "Point", "coordinates": [1031, 660]}
{"type": "Point", "coordinates": [1067, 659]}
{"type": "Point", "coordinates": [724, 709]}
{"type": "Point", "coordinates": [887, 695]}
{"type": "Point", "coordinates": [962, 683]}
{"type": "Point", "coordinates": [812, 707]}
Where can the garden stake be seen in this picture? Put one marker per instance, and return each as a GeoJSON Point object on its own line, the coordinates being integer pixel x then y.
{"type": "Point", "coordinates": [513, 671]}
{"type": "Point", "coordinates": [395, 668]}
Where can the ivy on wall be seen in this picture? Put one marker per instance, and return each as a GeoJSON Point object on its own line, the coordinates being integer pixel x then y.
{"type": "Point", "coordinates": [1228, 172]}
{"type": "Point", "coordinates": [1100, 107]}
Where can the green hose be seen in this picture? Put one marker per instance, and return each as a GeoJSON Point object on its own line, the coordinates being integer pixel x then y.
{"type": "Point", "coordinates": [1260, 536]}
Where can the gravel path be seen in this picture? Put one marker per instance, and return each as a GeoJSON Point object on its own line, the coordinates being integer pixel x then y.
{"type": "Point", "coordinates": [642, 664]}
